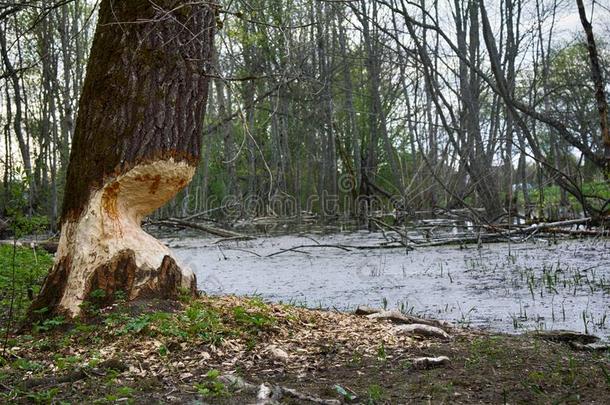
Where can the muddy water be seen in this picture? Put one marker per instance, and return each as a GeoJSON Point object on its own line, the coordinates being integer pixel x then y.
{"type": "Point", "coordinates": [511, 288]}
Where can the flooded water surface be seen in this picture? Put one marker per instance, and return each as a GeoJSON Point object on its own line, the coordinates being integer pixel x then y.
{"type": "Point", "coordinates": [510, 288]}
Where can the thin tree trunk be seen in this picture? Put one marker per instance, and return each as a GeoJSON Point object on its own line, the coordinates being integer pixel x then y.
{"type": "Point", "coordinates": [17, 124]}
{"type": "Point", "coordinates": [596, 75]}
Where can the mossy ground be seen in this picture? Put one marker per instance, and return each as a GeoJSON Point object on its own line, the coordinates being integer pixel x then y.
{"type": "Point", "coordinates": [174, 352]}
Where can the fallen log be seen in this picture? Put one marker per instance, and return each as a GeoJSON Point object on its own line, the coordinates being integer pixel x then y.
{"type": "Point", "coordinates": [565, 336]}
{"type": "Point", "coordinates": [539, 227]}
{"type": "Point", "coordinates": [306, 398]}
{"type": "Point", "coordinates": [398, 317]}
{"type": "Point", "coordinates": [366, 310]}
{"type": "Point", "coordinates": [268, 394]}
{"type": "Point", "coordinates": [421, 330]}
{"type": "Point", "coordinates": [579, 232]}
{"type": "Point", "coordinates": [212, 230]}
{"type": "Point", "coordinates": [592, 347]}
{"type": "Point", "coordinates": [501, 233]}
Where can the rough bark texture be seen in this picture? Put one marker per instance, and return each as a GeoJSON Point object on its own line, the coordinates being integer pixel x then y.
{"type": "Point", "coordinates": [136, 144]}
{"type": "Point", "coordinates": [144, 95]}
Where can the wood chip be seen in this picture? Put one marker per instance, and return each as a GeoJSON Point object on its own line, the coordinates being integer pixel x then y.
{"type": "Point", "coordinates": [429, 362]}
{"type": "Point", "coordinates": [277, 353]}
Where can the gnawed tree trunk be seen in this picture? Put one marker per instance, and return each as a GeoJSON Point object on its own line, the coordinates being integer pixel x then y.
{"type": "Point", "coordinates": [136, 144]}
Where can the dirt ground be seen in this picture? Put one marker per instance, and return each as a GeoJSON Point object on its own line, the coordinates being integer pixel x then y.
{"type": "Point", "coordinates": [158, 352]}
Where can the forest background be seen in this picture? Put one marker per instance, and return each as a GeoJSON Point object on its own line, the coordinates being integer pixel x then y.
{"type": "Point", "coordinates": [343, 109]}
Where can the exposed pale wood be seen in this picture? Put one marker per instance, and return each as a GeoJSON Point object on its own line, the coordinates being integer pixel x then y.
{"type": "Point", "coordinates": [398, 317]}
{"type": "Point", "coordinates": [422, 330]}
{"type": "Point", "coordinates": [429, 362]}
{"type": "Point", "coordinates": [136, 143]}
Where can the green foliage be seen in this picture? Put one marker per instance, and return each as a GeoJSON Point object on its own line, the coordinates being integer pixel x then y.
{"type": "Point", "coordinates": [375, 394]}
{"type": "Point", "coordinates": [381, 352]}
{"type": "Point", "coordinates": [255, 320]}
{"type": "Point", "coordinates": [97, 294]}
{"type": "Point", "coordinates": [597, 192]}
{"type": "Point", "coordinates": [211, 387]}
{"type": "Point", "coordinates": [115, 319]}
{"type": "Point", "coordinates": [202, 322]}
{"type": "Point", "coordinates": [125, 391]}
{"type": "Point", "coordinates": [16, 207]}
{"type": "Point", "coordinates": [485, 349]}
{"type": "Point", "coordinates": [65, 363]}
{"type": "Point", "coordinates": [137, 325]}
{"type": "Point", "coordinates": [120, 296]}
{"type": "Point", "coordinates": [163, 351]}
{"type": "Point", "coordinates": [49, 324]}
{"type": "Point", "coordinates": [27, 365]}
{"type": "Point", "coordinates": [199, 321]}
{"type": "Point", "coordinates": [31, 266]}
{"type": "Point", "coordinates": [43, 397]}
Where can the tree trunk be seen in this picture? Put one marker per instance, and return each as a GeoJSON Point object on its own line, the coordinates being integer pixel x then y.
{"type": "Point", "coordinates": [136, 144]}
{"type": "Point", "coordinates": [596, 75]}
{"type": "Point", "coordinates": [22, 141]}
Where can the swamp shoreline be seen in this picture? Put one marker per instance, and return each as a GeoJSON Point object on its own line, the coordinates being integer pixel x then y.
{"type": "Point", "coordinates": [230, 349]}
{"type": "Point", "coordinates": [226, 349]}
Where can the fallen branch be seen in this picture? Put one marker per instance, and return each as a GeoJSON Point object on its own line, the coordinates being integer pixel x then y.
{"type": "Point", "coordinates": [579, 232]}
{"type": "Point", "coordinates": [308, 398]}
{"type": "Point", "coordinates": [345, 248]}
{"type": "Point", "coordinates": [296, 249]}
{"type": "Point", "coordinates": [233, 239]}
{"type": "Point", "coordinates": [398, 317]}
{"type": "Point", "coordinates": [403, 234]}
{"type": "Point", "coordinates": [244, 250]}
{"type": "Point", "coordinates": [212, 230]}
{"type": "Point", "coordinates": [539, 227]}
{"type": "Point", "coordinates": [565, 336]}
{"type": "Point", "coordinates": [268, 394]}
{"type": "Point", "coordinates": [418, 329]}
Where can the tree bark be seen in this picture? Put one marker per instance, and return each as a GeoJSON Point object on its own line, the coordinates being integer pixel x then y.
{"type": "Point", "coordinates": [596, 75]}
{"type": "Point", "coordinates": [137, 141]}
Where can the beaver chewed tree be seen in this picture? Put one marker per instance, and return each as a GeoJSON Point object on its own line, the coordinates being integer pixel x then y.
{"type": "Point", "coordinates": [136, 144]}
